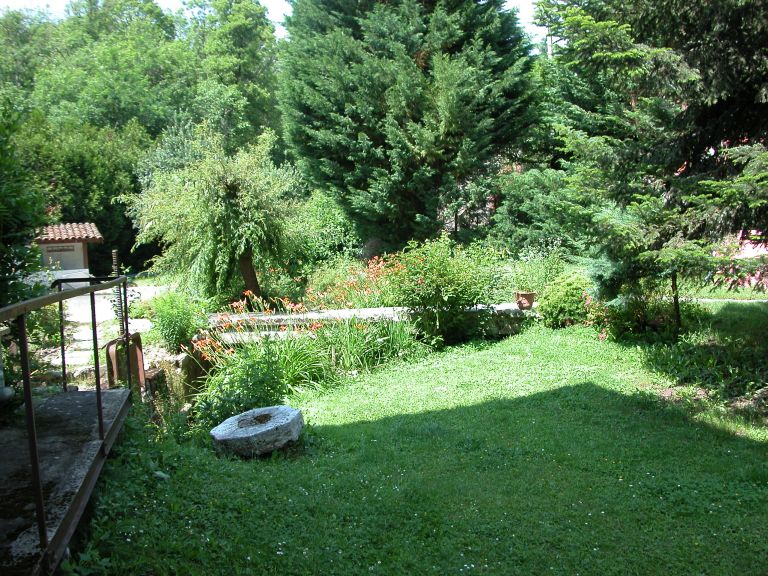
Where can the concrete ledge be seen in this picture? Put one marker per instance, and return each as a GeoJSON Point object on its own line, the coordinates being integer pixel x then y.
{"type": "Point", "coordinates": [71, 458]}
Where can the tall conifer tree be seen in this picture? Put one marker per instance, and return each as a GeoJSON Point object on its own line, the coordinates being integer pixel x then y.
{"type": "Point", "coordinates": [396, 108]}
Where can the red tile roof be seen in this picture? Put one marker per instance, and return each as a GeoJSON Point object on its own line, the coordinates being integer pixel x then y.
{"type": "Point", "coordinates": [75, 232]}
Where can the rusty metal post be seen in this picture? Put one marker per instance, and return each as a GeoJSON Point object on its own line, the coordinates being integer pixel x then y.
{"type": "Point", "coordinates": [96, 365]}
{"type": "Point", "coordinates": [34, 457]}
{"type": "Point", "coordinates": [116, 292]}
{"type": "Point", "coordinates": [61, 335]}
{"type": "Point", "coordinates": [127, 334]}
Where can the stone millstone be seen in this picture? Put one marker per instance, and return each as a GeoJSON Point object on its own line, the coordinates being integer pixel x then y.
{"type": "Point", "coordinates": [258, 431]}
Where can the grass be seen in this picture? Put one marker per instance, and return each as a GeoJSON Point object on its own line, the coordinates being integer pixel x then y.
{"type": "Point", "coordinates": [724, 351]}
{"type": "Point", "coordinates": [691, 289]}
{"type": "Point", "coordinates": [546, 453]}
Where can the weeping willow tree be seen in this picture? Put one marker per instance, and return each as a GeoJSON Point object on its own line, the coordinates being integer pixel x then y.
{"type": "Point", "coordinates": [218, 217]}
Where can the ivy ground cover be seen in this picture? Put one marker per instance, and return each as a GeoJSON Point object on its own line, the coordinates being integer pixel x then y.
{"type": "Point", "coordinates": [547, 453]}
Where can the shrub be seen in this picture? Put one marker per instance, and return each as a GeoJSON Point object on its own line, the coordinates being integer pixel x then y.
{"type": "Point", "coordinates": [563, 302]}
{"type": "Point", "coordinates": [250, 377]}
{"type": "Point", "coordinates": [319, 230]}
{"type": "Point", "coordinates": [176, 318]}
{"type": "Point", "coordinates": [438, 281]}
{"type": "Point", "coordinates": [43, 327]}
{"type": "Point", "coordinates": [646, 313]}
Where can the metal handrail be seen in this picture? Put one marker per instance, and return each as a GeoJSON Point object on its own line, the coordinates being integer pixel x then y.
{"type": "Point", "coordinates": [17, 313]}
{"type": "Point", "coordinates": [13, 311]}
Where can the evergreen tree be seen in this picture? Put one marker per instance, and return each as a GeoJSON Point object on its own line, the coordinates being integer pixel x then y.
{"type": "Point", "coordinates": [618, 135]}
{"type": "Point", "coordinates": [396, 108]}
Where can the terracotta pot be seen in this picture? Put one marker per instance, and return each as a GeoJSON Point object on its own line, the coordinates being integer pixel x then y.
{"type": "Point", "coordinates": [525, 300]}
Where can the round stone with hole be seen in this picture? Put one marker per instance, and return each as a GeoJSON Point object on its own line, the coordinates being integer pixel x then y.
{"type": "Point", "coordinates": [258, 431]}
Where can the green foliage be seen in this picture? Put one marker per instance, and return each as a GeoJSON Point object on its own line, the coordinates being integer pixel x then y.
{"type": "Point", "coordinates": [218, 215]}
{"type": "Point", "coordinates": [319, 230]}
{"type": "Point", "coordinates": [355, 345]}
{"type": "Point", "coordinates": [397, 108]}
{"type": "Point", "coordinates": [563, 302]}
{"type": "Point", "coordinates": [537, 266]}
{"type": "Point", "coordinates": [534, 209]}
{"type": "Point", "coordinates": [349, 283]}
{"type": "Point", "coordinates": [21, 213]}
{"type": "Point", "coordinates": [116, 63]}
{"type": "Point", "coordinates": [43, 326]}
{"type": "Point", "coordinates": [740, 198]}
{"type": "Point", "coordinates": [27, 40]}
{"type": "Point", "coordinates": [250, 378]}
{"type": "Point", "coordinates": [263, 371]}
{"type": "Point", "coordinates": [731, 101]}
{"type": "Point", "coordinates": [438, 281]}
{"type": "Point", "coordinates": [644, 313]}
{"type": "Point", "coordinates": [724, 351]}
{"type": "Point", "coordinates": [237, 47]}
{"type": "Point", "coordinates": [176, 318]}
{"type": "Point", "coordinates": [83, 170]}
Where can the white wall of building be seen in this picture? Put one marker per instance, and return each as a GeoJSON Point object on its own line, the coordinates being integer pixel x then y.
{"type": "Point", "coordinates": [64, 256]}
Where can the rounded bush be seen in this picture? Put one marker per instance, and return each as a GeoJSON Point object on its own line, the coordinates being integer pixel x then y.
{"type": "Point", "coordinates": [564, 301]}
{"type": "Point", "coordinates": [439, 281]}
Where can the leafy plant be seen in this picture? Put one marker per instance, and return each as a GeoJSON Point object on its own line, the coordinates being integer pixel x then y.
{"type": "Point", "coordinates": [357, 345]}
{"type": "Point", "coordinates": [249, 378]}
{"type": "Point", "coordinates": [176, 318]}
{"type": "Point", "coordinates": [536, 267]}
{"type": "Point", "coordinates": [439, 281]}
{"type": "Point", "coordinates": [43, 326]}
{"type": "Point", "coordinates": [563, 302]}
{"type": "Point", "coordinates": [645, 313]}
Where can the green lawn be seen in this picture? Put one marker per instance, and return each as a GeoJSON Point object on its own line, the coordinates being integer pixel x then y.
{"type": "Point", "coordinates": [546, 453]}
{"type": "Point", "coordinates": [690, 289]}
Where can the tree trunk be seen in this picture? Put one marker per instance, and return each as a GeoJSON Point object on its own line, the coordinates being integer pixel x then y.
{"type": "Point", "coordinates": [248, 273]}
{"type": "Point", "coordinates": [676, 303]}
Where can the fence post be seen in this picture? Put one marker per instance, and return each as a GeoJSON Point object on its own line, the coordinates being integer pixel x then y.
{"type": "Point", "coordinates": [37, 486]}
{"type": "Point", "coordinates": [96, 367]}
{"type": "Point", "coordinates": [61, 335]}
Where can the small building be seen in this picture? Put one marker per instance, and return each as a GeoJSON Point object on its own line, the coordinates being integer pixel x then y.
{"type": "Point", "coordinates": [65, 248]}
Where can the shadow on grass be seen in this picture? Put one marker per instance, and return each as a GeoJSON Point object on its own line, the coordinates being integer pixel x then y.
{"type": "Point", "coordinates": [726, 352]}
{"type": "Point", "coordinates": [578, 479]}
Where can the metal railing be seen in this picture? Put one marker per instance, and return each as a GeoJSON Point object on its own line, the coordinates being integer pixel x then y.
{"type": "Point", "coordinates": [17, 314]}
